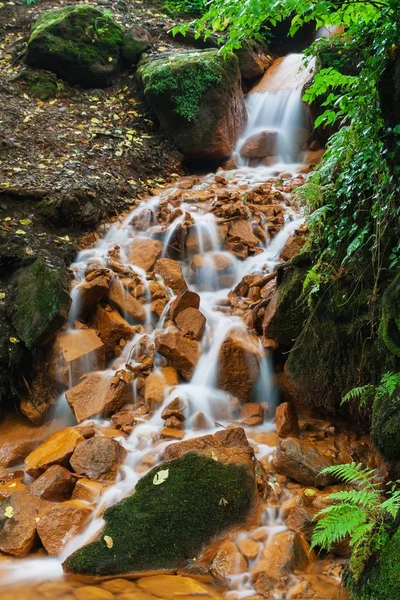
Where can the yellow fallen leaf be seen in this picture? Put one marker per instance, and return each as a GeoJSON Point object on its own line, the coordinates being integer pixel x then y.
{"type": "Point", "coordinates": [110, 59]}
{"type": "Point", "coordinates": [14, 340]}
{"type": "Point", "coordinates": [20, 232]}
{"type": "Point", "coordinates": [132, 182]}
{"type": "Point", "coordinates": [7, 218]}
{"type": "Point", "coordinates": [160, 477]}
{"type": "Point", "coordinates": [29, 251]}
{"type": "Point", "coordinates": [2, 295]}
{"type": "Point", "coordinates": [80, 126]}
{"type": "Point", "coordinates": [53, 101]}
{"type": "Point", "coordinates": [94, 120]}
{"type": "Point", "coordinates": [25, 221]}
{"type": "Point", "coordinates": [109, 541]}
{"type": "Point", "coordinates": [9, 512]}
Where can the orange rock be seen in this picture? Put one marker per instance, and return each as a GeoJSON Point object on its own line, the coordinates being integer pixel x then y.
{"type": "Point", "coordinates": [287, 423]}
{"type": "Point", "coordinates": [241, 230]}
{"type": "Point", "coordinates": [191, 323]}
{"type": "Point", "coordinates": [124, 301]}
{"type": "Point", "coordinates": [111, 327]}
{"type": "Point", "coordinates": [249, 548]}
{"type": "Point", "coordinates": [284, 553]}
{"type": "Point", "coordinates": [175, 408]}
{"type": "Point", "coordinates": [18, 517]}
{"type": "Point", "coordinates": [183, 301]}
{"type": "Point", "coordinates": [98, 458]}
{"type": "Point", "coordinates": [144, 252]}
{"type": "Point", "coordinates": [18, 438]}
{"type": "Point", "coordinates": [60, 523]}
{"type": "Point", "coordinates": [303, 461]}
{"type": "Point", "coordinates": [293, 246]}
{"type": "Point", "coordinates": [87, 490]}
{"type": "Point", "coordinates": [260, 145]}
{"type": "Point", "coordinates": [75, 353]}
{"type": "Point", "coordinates": [182, 353]}
{"type": "Point", "coordinates": [213, 261]}
{"type": "Point", "coordinates": [91, 592]}
{"type": "Point", "coordinates": [228, 561]}
{"type": "Point", "coordinates": [90, 293]}
{"type": "Point", "coordinates": [171, 272]}
{"type": "Point", "coordinates": [172, 587]}
{"type": "Point", "coordinates": [157, 307]}
{"type": "Point", "coordinates": [173, 434]}
{"type": "Point", "coordinates": [56, 483]}
{"type": "Point", "coordinates": [56, 450]}
{"type": "Point", "coordinates": [99, 394]}
{"type": "Point", "coordinates": [251, 409]}
{"type": "Point", "coordinates": [120, 586]}
{"type": "Point", "coordinates": [12, 485]}
{"type": "Point", "coordinates": [157, 384]}
{"type": "Point", "coordinates": [239, 364]}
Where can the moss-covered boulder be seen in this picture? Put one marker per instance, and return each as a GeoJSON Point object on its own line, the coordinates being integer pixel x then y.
{"type": "Point", "coordinates": [386, 425]}
{"type": "Point", "coordinates": [390, 323]}
{"type": "Point", "coordinates": [135, 41]}
{"type": "Point", "coordinates": [42, 84]}
{"type": "Point", "coordinates": [41, 303]}
{"type": "Point", "coordinates": [79, 43]}
{"type": "Point", "coordinates": [198, 100]}
{"type": "Point", "coordinates": [176, 509]}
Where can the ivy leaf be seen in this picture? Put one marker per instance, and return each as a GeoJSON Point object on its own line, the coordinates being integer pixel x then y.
{"type": "Point", "coordinates": [160, 477]}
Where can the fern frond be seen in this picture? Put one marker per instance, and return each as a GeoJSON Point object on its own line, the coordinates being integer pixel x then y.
{"type": "Point", "coordinates": [362, 533]}
{"type": "Point", "coordinates": [339, 521]}
{"type": "Point", "coordinates": [352, 473]}
{"type": "Point", "coordinates": [390, 382]}
{"type": "Point", "coordinates": [362, 497]}
{"type": "Point", "coordinates": [363, 394]}
{"type": "Point", "coordinates": [361, 552]}
{"type": "Point", "coordinates": [392, 504]}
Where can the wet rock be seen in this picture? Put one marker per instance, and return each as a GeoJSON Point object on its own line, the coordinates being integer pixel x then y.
{"type": "Point", "coordinates": [111, 327]}
{"type": "Point", "coordinates": [176, 408]}
{"type": "Point", "coordinates": [215, 261]}
{"type": "Point", "coordinates": [239, 364]}
{"type": "Point", "coordinates": [56, 484]}
{"type": "Point", "coordinates": [100, 394]}
{"type": "Point", "coordinates": [74, 353]}
{"type": "Point", "coordinates": [135, 41]}
{"type": "Point", "coordinates": [191, 323]}
{"type": "Point", "coordinates": [172, 587]}
{"type": "Point", "coordinates": [183, 532]}
{"type": "Point", "coordinates": [42, 394]}
{"type": "Point", "coordinates": [260, 145]}
{"type": "Point", "coordinates": [62, 522]}
{"type": "Point", "coordinates": [68, 42]}
{"type": "Point", "coordinates": [302, 461]}
{"type": "Point", "coordinates": [205, 124]}
{"type": "Point", "coordinates": [287, 423]}
{"type": "Point", "coordinates": [182, 353]}
{"type": "Point", "coordinates": [183, 301]}
{"type": "Point", "coordinates": [171, 272]}
{"type": "Point", "coordinates": [90, 293]}
{"type": "Point", "coordinates": [254, 60]}
{"type": "Point", "coordinates": [56, 450]}
{"type": "Point", "coordinates": [293, 245]}
{"type": "Point", "coordinates": [18, 518]}
{"type": "Point", "coordinates": [228, 561]}
{"type": "Point", "coordinates": [98, 458]}
{"type": "Point", "coordinates": [87, 490]}
{"type": "Point", "coordinates": [144, 252]}
{"type": "Point", "coordinates": [18, 438]}
{"type": "Point", "coordinates": [169, 433]}
{"type": "Point", "coordinates": [124, 301]}
{"type": "Point", "coordinates": [241, 230]}
{"type": "Point", "coordinates": [157, 384]}
{"type": "Point", "coordinates": [248, 548]}
{"type": "Point", "coordinates": [41, 302]}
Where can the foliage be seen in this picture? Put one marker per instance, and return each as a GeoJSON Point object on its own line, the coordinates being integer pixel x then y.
{"type": "Point", "coordinates": [192, 7]}
{"type": "Point", "coordinates": [364, 514]}
{"type": "Point", "coordinates": [389, 384]}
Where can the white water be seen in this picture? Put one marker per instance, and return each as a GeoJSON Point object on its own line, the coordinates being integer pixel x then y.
{"type": "Point", "coordinates": [278, 109]}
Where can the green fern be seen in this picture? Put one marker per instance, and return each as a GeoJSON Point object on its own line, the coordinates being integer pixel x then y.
{"type": "Point", "coordinates": [361, 515]}
{"type": "Point", "coordinates": [390, 383]}
{"type": "Point", "coordinates": [362, 394]}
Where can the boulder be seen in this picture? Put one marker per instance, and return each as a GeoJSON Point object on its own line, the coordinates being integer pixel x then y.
{"type": "Point", "coordinates": [191, 323]}
{"type": "Point", "coordinates": [183, 301]}
{"type": "Point", "coordinates": [111, 327]}
{"type": "Point", "coordinates": [242, 232]}
{"type": "Point", "coordinates": [56, 450]}
{"type": "Point", "coordinates": [135, 41]}
{"type": "Point", "coordinates": [18, 438]}
{"type": "Point", "coordinates": [239, 364]}
{"type": "Point", "coordinates": [171, 272]}
{"type": "Point", "coordinates": [19, 514]}
{"type": "Point", "coordinates": [79, 43]}
{"type": "Point", "coordinates": [157, 384]}
{"type": "Point", "coordinates": [203, 118]}
{"type": "Point", "coordinates": [100, 394]}
{"type": "Point", "coordinates": [124, 301]}
{"type": "Point", "coordinates": [56, 483]}
{"type": "Point", "coordinates": [75, 353]}
{"type": "Point", "coordinates": [98, 458]}
{"type": "Point", "coordinates": [381, 581]}
{"type": "Point", "coordinates": [260, 145]}
{"type": "Point", "coordinates": [89, 294]}
{"type": "Point", "coordinates": [293, 245]}
{"type": "Point", "coordinates": [62, 522]}
{"type": "Point", "coordinates": [41, 302]}
{"type": "Point", "coordinates": [182, 353]}
{"type": "Point", "coordinates": [171, 587]}
{"type": "Point", "coordinates": [144, 252]}
{"type": "Point", "coordinates": [254, 60]}
{"type": "Point", "coordinates": [149, 532]}
{"type": "Point", "coordinates": [287, 423]}
{"type": "Point", "coordinates": [302, 461]}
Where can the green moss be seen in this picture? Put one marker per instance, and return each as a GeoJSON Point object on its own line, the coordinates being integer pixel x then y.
{"type": "Point", "coordinates": [162, 525]}
{"type": "Point", "coordinates": [41, 303]}
{"type": "Point", "coordinates": [79, 43]}
{"type": "Point", "coordinates": [389, 329]}
{"type": "Point", "coordinates": [385, 429]}
{"type": "Point", "coordinates": [184, 79]}
{"type": "Point", "coordinates": [43, 85]}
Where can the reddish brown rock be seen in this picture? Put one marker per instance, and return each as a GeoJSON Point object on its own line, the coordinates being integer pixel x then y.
{"type": "Point", "coordinates": [183, 301]}
{"type": "Point", "coordinates": [60, 523]}
{"type": "Point", "coordinates": [213, 261]}
{"type": "Point", "coordinates": [191, 323]}
{"type": "Point", "coordinates": [18, 438]}
{"type": "Point", "coordinates": [112, 328]}
{"type": "Point", "coordinates": [293, 246]}
{"type": "Point", "coordinates": [239, 364]}
{"type": "Point", "coordinates": [241, 231]}
{"type": "Point", "coordinates": [98, 458]}
{"type": "Point", "coordinates": [157, 384]}
{"type": "Point", "coordinates": [251, 409]}
{"type": "Point", "coordinates": [171, 272]}
{"type": "Point", "coordinates": [287, 423]}
{"type": "Point", "coordinates": [87, 490]}
{"type": "Point", "coordinates": [56, 484]}
{"type": "Point", "coordinates": [144, 253]}
{"type": "Point", "coordinates": [75, 353]}
{"type": "Point", "coordinates": [182, 353]}
{"type": "Point", "coordinates": [260, 145]}
{"type": "Point", "coordinates": [90, 293]}
{"type": "Point", "coordinates": [124, 301]}
{"type": "Point", "coordinates": [249, 548]}
{"type": "Point", "coordinates": [56, 450]}
{"type": "Point", "coordinates": [18, 518]}
{"type": "Point", "coordinates": [176, 408]}
{"type": "Point", "coordinates": [228, 561]}
{"type": "Point", "coordinates": [100, 394]}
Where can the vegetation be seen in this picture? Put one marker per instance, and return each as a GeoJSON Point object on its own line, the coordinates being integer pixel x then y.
{"type": "Point", "coordinates": [364, 515]}
{"type": "Point", "coordinates": [366, 394]}
{"type": "Point", "coordinates": [191, 7]}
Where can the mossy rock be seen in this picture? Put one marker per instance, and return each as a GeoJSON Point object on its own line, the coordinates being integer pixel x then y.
{"type": "Point", "coordinates": [198, 100]}
{"type": "Point", "coordinates": [79, 43]}
{"type": "Point", "coordinates": [161, 526]}
{"type": "Point", "coordinates": [390, 323]}
{"type": "Point", "coordinates": [135, 41]}
{"type": "Point", "coordinates": [42, 85]}
{"type": "Point", "coordinates": [41, 303]}
{"type": "Point", "coordinates": [386, 426]}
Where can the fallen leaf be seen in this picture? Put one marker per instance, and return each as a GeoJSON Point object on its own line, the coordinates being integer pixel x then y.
{"type": "Point", "coordinates": [20, 232]}
{"type": "Point", "coordinates": [223, 502]}
{"type": "Point", "coordinates": [160, 477]}
{"type": "Point", "coordinates": [9, 512]}
{"type": "Point", "coordinates": [2, 295]}
{"type": "Point", "coordinates": [14, 340]}
{"type": "Point", "coordinates": [25, 221]}
{"type": "Point", "coordinates": [109, 541]}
